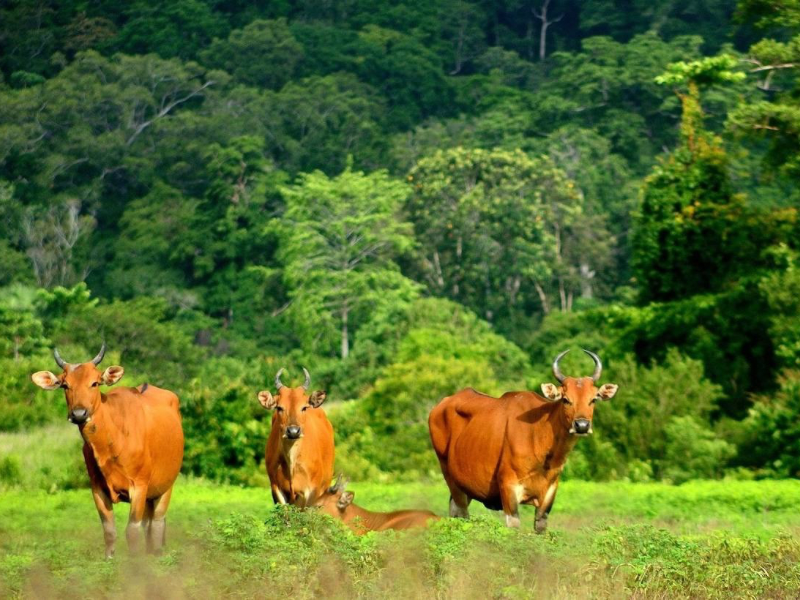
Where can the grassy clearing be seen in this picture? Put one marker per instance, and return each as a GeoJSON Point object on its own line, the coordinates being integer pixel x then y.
{"type": "Point", "coordinates": [48, 458]}
{"type": "Point", "coordinates": [702, 539]}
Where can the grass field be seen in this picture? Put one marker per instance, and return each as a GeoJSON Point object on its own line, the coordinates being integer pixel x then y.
{"type": "Point", "coordinates": [702, 539]}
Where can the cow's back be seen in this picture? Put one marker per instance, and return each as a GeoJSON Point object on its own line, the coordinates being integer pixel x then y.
{"type": "Point", "coordinates": [408, 519]}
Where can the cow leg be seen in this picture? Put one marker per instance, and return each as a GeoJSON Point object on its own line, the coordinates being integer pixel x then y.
{"type": "Point", "coordinates": [133, 533]}
{"type": "Point", "coordinates": [147, 521]}
{"type": "Point", "coordinates": [509, 497]}
{"type": "Point", "coordinates": [157, 534]}
{"type": "Point", "coordinates": [459, 501]}
{"type": "Point", "coordinates": [106, 511]}
{"type": "Point", "coordinates": [543, 510]}
{"type": "Point", "coordinates": [459, 505]}
{"type": "Point", "coordinates": [277, 495]}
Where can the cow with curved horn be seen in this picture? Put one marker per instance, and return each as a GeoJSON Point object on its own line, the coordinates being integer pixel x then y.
{"type": "Point", "coordinates": [510, 450]}
{"type": "Point", "coordinates": [299, 454]}
{"type": "Point", "coordinates": [133, 445]}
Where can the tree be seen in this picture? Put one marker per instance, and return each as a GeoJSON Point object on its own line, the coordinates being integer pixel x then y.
{"type": "Point", "coordinates": [462, 24]}
{"type": "Point", "coordinates": [689, 210]}
{"type": "Point", "coordinates": [90, 131]}
{"type": "Point", "coordinates": [775, 65]}
{"type": "Point", "coordinates": [497, 226]}
{"type": "Point", "coordinates": [314, 123]}
{"type": "Point", "coordinates": [339, 239]}
{"type": "Point", "coordinates": [50, 238]}
{"type": "Point", "coordinates": [170, 29]}
{"type": "Point", "coordinates": [262, 54]}
{"type": "Point", "coordinates": [541, 14]}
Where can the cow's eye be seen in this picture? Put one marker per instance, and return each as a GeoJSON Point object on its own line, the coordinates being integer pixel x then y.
{"type": "Point", "coordinates": [64, 385]}
{"type": "Point", "coordinates": [567, 401]}
{"type": "Point", "coordinates": [95, 384]}
{"type": "Point", "coordinates": [592, 401]}
{"type": "Point", "coordinates": [305, 408]}
{"type": "Point", "coordinates": [279, 408]}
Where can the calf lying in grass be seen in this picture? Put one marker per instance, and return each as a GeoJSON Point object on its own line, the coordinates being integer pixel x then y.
{"type": "Point", "coordinates": [338, 503]}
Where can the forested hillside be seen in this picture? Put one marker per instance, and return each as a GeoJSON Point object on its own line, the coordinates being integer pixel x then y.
{"type": "Point", "coordinates": [408, 198]}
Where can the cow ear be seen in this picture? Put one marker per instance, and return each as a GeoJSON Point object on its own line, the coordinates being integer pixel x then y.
{"type": "Point", "coordinates": [112, 375]}
{"type": "Point", "coordinates": [267, 400]}
{"type": "Point", "coordinates": [607, 391]}
{"type": "Point", "coordinates": [46, 380]}
{"type": "Point", "coordinates": [551, 392]}
{"type": "Point", "coordinates": [317, 398]}
{"type": "Point", "coordinates": [345, 500]}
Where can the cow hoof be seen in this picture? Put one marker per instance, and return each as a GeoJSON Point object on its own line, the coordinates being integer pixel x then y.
{"type": "Point", "coordinates": [457, 511]}
{"type": "Point", "coordinates": [540, 526]}
{"type": "Point", "coordinates": [512, 521]}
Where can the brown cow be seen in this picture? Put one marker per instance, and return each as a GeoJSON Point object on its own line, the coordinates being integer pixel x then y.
{"type": "Point", "coordinates": [511, 450]}
{"type": "Point", "coordinates": [133, 446]}
{"type": "Point", "coordinates": [339, 504]}
{"type": "Point", "coordinates": [299, 453]}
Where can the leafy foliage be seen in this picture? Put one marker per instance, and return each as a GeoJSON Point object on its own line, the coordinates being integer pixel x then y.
{"type": "Point", "coordinates": [408, 198]}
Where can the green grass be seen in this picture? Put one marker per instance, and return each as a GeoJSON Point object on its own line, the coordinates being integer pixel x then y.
{"type": "Point", "coordinates": [706, 539]}
{"type": "Point", "coordinates": [48, 458]}
{"type": "Point", "coordinates": [702, 539]}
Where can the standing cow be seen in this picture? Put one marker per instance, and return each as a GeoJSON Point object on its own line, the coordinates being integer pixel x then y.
{"type": "Point", "coordinates": [299, 453]}
{"type": "Point", "coordinates": [510, 450]}
{"type": "Point", "coordinates": [133, 445]}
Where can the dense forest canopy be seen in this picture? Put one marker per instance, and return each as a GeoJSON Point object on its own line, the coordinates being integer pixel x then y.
{"type": "Point", "coordinates": [409, 198]}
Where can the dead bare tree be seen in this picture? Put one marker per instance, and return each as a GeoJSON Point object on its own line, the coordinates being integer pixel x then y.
{"type": "Point", "coordinates": [546, 22]}
{"type": "Point", "coordinates": [50, 237]}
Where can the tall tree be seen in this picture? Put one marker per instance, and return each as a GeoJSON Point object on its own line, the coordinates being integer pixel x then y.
{"type": "Point", "coordinates": [546, 21]}
{"type": "Point", "coordinates": [689, 210]}
{"type": "Point", "coordinates": [497, 226]}
{"type": "Point", "coordinates": [339, 240]}
{"type": "Point", "coordinates": [775, 66]}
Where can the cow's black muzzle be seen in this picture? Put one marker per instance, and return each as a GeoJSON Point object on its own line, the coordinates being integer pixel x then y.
{"type": "Point", "coordinates": [581, 427]}
{"type": "Point", "coordinates": [79, 416]}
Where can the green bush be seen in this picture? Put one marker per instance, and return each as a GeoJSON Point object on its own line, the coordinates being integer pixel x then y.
{"type": "Point", "coordinates": [771, 432]}
{"type": "Point", "coordinates": [634, 423]}
{"type": "Point", "coordinates": [225, 427]}
{"type": "Point", "coordinates": [389, 427]}
{"type": "Point", "coordinates": [435, 326]}
{"type": "Point", "coordinates": [692, 451]}
{"type": "Point", "coordinates": [288, 548]}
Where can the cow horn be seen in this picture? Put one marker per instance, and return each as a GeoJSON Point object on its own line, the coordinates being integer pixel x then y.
{"type": "Point", "coordinates": [598, 366]}
{"type": "Point", "coordinates": [340, 485]}
{"type": "Point", "coordinates": [96, 360]}
{"type": "Point", "coordinates": [59, 361]}
{"type": "Point", "coordinates": [278, 384]}
{"type": "Point", "coordinates": [307, 382]}
{"type": "Point", "coordinates": [556, 370]}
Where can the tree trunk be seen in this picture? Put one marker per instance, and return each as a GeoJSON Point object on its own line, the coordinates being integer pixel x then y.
{"type": "Point", "coordinates": [542, 16]}
{"type": "Point", "coordinates": [345, 336]}
{"type": "Point", "coordinates": [542, 298]}
{"type": "Point", "coordinates": [562, 294]}
{"type": "Point", "coordinates": [543, 40]}
{"type": "Point", "coordinates": [587, 274]}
